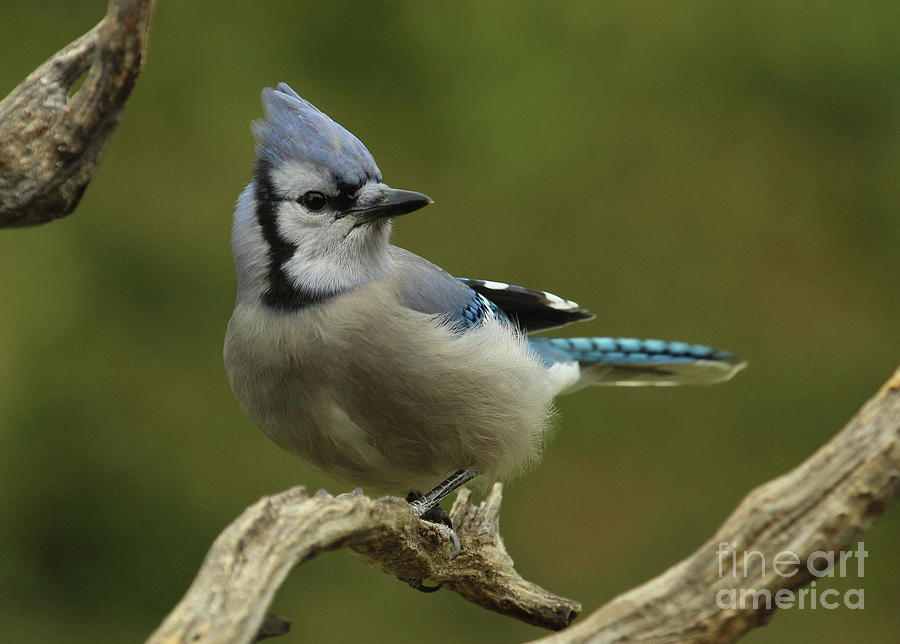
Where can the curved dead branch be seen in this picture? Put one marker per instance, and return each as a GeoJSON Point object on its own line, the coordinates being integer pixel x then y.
{"type": "Point", "coordinates": [50, 144]}
{"type": "Point", "coordinates": [825, 504]}
{"type": "Point", "coordinates": [251, 558]}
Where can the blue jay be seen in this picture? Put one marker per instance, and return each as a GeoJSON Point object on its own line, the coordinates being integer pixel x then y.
{"type": "Point", "coordinates": [374, 364]}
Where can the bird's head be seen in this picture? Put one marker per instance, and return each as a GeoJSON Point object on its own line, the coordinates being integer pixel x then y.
{"type": "Point", "coordinates": [315, 221]}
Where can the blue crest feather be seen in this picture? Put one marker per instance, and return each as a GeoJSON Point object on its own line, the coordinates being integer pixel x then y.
{"type": "Point", "coordinates": [295, 129]}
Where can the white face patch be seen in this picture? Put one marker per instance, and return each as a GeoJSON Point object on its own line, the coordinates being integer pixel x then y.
{"type": "Point", "coordinates": [291, 179]}
{"type": "Point", "coordinates": [332, 253]}
{"type": "Point", "coordinates": [337, 257]}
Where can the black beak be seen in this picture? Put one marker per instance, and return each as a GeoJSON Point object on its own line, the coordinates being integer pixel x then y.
{"type": "Point", "coordinates": [392, 203]}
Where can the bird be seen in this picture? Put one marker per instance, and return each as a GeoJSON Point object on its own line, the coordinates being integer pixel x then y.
{"type": "Point", "coordinates": [377, 366]}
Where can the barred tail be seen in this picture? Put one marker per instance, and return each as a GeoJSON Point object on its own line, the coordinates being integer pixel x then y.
{"type": "Point", "coordinates": [577, 362]}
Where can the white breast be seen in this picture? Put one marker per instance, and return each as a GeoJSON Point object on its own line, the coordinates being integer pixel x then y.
{"type": "Point", "coordinates": [386, 397]}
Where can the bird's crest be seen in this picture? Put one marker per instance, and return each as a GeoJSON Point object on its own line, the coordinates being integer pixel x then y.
{"type": "Point", "coordinates": [295, 129]}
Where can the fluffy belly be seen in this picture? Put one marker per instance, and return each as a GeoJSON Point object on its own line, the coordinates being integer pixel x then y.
{"type": "Point", "coordinates": [394, 419]}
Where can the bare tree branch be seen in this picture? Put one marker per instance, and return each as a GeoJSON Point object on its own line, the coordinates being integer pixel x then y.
{"type": "Point", "coordinates": [251, 558]}
{"type": "Point", "coordinates": [50, 144]}
{"type": "Point", "coordinates": [825, 504]}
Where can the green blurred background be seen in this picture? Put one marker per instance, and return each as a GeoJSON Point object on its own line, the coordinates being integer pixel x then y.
{"type": "Point", "coordinates": [715, 172]}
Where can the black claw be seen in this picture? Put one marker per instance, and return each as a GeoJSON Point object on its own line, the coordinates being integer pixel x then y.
{"type": "Point", "coordinates": [437, 515]}
{"type": "Point", "coordinates": [419, 585]}
{"type": "Point", "coordinates": [457, 544]}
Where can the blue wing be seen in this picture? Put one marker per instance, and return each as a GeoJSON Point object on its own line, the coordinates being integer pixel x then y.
{"type": "Point", "coordinates": [572, 362]}
{"type": "Point", "coordinates": [424, 287]}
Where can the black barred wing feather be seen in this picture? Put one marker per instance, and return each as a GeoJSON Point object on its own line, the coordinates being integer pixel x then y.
{"type": "Point", "coordinates": [529, 309]}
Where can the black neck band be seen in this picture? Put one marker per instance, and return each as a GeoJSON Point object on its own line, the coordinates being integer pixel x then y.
{"type": "Point", "coordinates": [280, 293]}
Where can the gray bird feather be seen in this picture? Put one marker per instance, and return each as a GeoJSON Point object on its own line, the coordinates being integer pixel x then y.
{"type": "Point", "coordinates": [373, 363]}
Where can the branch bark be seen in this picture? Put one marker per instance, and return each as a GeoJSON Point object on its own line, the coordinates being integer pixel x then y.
{"type": "Point", "coordinates": [251, 558]}
{"type": "Point", "coordinates": [50, 144]}
{"type": "Point", "coordinates": [825, 504]}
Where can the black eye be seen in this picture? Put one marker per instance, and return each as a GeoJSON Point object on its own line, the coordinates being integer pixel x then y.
{"type": "Point", "coordinates": [314, 200]}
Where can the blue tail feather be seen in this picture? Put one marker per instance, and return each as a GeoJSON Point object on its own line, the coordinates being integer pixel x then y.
{"type": "Point", "coordinates": [630, 361]}
{"type": "Point", "coordinates": [619, 350]}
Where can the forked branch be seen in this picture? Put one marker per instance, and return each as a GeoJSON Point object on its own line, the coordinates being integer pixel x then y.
{"type": "Point", "coordinates": [825, 504]}
{"type": "Point", "coordinates": [251, 558]}
{"type": "Point", "coordinates": [50, 143]}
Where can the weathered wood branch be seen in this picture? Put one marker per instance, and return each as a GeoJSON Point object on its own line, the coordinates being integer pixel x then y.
{"type": "Point", "coordinates": [50, 143]}
{"type": "Point", "coordinates": [251, 558]}
{"type": "Point", "coordinates": [825, 504]}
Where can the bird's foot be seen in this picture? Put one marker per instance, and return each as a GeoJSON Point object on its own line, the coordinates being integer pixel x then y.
{"type": "Point", "coordinates": [438, 518]}
{"type": "Point", "coordinates": [435, 514]}
{"type": "Point", "coordinates": [448, 534]}
{"type": "Point", "coordinates": [422, 503]}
